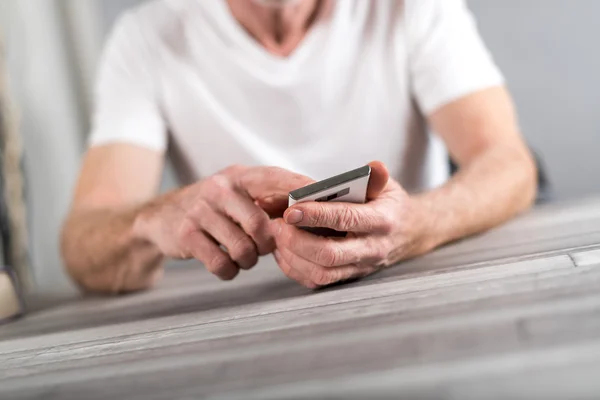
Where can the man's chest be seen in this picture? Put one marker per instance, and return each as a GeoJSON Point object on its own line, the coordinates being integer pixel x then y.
{"type": "Point", "coordinates": [356, 96]}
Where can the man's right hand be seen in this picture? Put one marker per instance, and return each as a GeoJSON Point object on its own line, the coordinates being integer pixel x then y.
{"type": "Point", "coordinates": [223, 220]}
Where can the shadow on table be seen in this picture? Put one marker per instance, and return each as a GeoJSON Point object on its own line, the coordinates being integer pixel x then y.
{"type": "Point", "coordinates": [40, 302]}
{"type": "Point", "coordinates": [64, 314]}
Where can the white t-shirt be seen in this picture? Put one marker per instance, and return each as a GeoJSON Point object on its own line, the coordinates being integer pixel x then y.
{"type": "Point", "coordinates": [184, 75]}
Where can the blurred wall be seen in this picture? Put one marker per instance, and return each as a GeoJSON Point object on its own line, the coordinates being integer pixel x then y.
{"type": "Point", "coordinates": [547, 49]}
{"type": "Point", "coordinates": [549, 52]}
{"type": "Point", "coordinates": [52, 123]}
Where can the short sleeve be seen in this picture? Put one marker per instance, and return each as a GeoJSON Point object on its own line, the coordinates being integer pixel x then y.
{"type": "Point", "coordinates": [447, 57]}
{"type": "Point", "coordinates": [125, 103]}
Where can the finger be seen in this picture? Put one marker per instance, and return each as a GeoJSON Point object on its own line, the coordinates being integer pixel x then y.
{"type": "Point", "coordinates": [205, 250]}
{"type": "Point", "coordinates": [253, 220]}
{"type": "Point", "coordinates": [341, 216]}
{"type": "Point", "coordinates": [270, 186]}
{"type": "Point", "coordinates": [291, 272]}
{"type": "Point", "coordinates": [378, 179]}
{"type": "Point", "coordinates": [330, 252]}
{"type": "Point", "coordinates": [321, 276]}
{"type": "Point", "coordinates": [274, 205]}
{"type": "Point", "coordinates": [239, 246]}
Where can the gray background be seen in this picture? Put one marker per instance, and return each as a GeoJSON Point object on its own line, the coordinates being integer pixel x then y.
{"type": "Point", "coordinates": [549, 53]}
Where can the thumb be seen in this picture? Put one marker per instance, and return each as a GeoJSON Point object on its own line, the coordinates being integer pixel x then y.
{"type": "Point", "coordinates": [378, 180]}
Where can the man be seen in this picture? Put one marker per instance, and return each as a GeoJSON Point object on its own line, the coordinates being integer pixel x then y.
{"type": "Point", "coordinates": [253, 98]}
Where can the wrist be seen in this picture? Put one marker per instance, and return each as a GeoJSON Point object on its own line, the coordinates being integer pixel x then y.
{"type": "Point", "coordinates": [423, 233]}
{"type": "Point", "coordinates": [149, 217]}
{"type": "Point", "coordinates": [144, 224]}
{"type": "Point", "coordinates": [140, 227]}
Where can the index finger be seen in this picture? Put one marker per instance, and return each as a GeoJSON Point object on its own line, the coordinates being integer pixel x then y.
{"type": "Point", "coordinates": [341, 216]}
{"type": "Point", "coordinates": [270, 186]}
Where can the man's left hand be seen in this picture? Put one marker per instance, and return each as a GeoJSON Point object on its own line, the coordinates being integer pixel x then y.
{"type": "Point", "coordinates": [381, 232]}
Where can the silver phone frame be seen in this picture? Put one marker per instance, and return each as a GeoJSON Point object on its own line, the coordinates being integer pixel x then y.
{"type": "Point", "coordinates": [348, 187]}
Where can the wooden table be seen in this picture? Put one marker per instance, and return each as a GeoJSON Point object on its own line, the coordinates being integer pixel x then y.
{"type": "Point", "coordinates": [514, 313]}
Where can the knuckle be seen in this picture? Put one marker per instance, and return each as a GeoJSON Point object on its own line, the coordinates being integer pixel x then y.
{"type": "Point", "coordinates": [348, 219]}
{"type": "Point", "coordinates": [286, 236]}
{"type": "Point", "coordinates": [319, 216]}
{"type": "Point", "coordinates": [320, 277]}
{"type": "Point", "coordinates": [380, 252]}
{"type": "Point", "coordinates": [285, 268]}
{"type": "Point", "coordinates": [219, 264]}
{"type": "Point", "coordinates": [309, 285]}
{"type": "Point", "coordinates": [233, 169]}
{"type": "Point", "coordinates": [199, 209]}
{"type": "Point", "coordinates": [255, 224]}
{"type": "Point", "coordinates": [267, 246]}
{"type": "Point", "coordinates": [386, 222]}
{"type": "Point", "coordinates": [258, 228]}
{"type": "Point", "coordinates": [220, 185]}
{"type": "Point", "coordinates": [185, 231]}
{"type": "Point", "coordinates": [273, 171]}
{"type": "Point", "coordinates": [242, 247]}
{"type": "Point", "coordinates": [328, 256]}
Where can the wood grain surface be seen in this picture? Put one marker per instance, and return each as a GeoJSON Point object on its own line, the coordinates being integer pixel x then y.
{"type": "Point", "coordinates": [512, 313]}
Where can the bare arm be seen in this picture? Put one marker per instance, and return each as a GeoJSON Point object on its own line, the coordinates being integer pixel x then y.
{"type": "Point", "coordinates": [496, 177]}
{"type": "Point", "coordinates": [99, 247]}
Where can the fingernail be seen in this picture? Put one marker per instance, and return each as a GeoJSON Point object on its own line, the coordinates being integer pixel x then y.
{"type": "Point", "coordinates": [294, 217]}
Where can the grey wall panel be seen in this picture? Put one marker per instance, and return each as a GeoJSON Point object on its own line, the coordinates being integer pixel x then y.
{"type": "Point", "coordinates": [548, 51]}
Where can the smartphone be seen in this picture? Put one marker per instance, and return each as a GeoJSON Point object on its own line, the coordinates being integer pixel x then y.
{"type": "Point", "coordinates": [348, 187]}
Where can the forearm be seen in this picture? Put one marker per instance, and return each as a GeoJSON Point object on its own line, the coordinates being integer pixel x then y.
{"type": "Point", "coordinates": [495, 186]}
{"type": "Point", "coordinates": [102, 253]}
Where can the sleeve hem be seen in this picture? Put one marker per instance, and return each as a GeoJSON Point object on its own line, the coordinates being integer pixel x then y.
{"type": "Point", "coordinates": [143, 141]}
{"type": "Point", "coordinates": [451, 94]}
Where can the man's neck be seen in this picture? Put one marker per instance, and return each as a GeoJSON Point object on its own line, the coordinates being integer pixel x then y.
{"type": "Point", "coordinates": [279, 29]}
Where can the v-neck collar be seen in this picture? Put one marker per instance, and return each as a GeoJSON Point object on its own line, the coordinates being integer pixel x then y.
{"type": "Point", "coordinates": [254, 48]}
